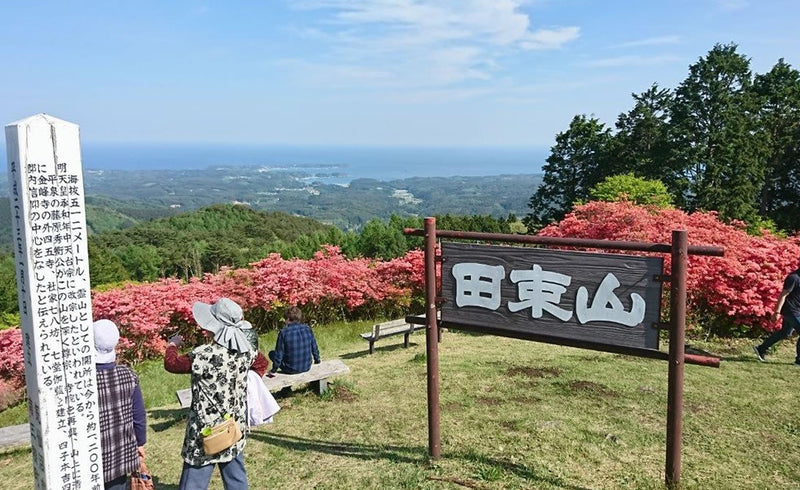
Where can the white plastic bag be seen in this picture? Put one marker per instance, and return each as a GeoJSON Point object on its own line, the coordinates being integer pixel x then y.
{"type": "Point", "coordinates": [261, 405]}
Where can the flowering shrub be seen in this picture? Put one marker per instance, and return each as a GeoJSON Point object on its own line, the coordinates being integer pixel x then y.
{"type": "Point", "coordinates": [731, 294]}
{"type": "Point", "coordinates": [9, 394]}
{"type": "Point", "coordinates": [12, 364]}
{"type": "Point", "coordinates": [327, 287]}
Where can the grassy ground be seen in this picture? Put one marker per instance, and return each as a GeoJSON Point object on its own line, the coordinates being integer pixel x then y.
{"type": "Point", "coordinates": [514, 414]}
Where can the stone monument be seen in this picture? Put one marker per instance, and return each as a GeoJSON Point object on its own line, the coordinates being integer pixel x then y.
{"type": "Point", "coordinates": [49, 238]}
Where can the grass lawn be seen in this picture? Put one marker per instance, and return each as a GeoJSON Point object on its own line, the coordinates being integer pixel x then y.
{"type": "Point", "coordinates": [514, 414]}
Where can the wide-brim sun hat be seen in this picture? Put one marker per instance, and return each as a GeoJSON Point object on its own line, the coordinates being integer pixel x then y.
{"type": "Point", "coordinates": [106, 337]}
{"type": "Point", "coordinates": [224, 320]}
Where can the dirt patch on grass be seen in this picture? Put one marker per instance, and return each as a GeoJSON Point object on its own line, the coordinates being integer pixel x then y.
{"type": "Point", "coordinates": [463, 482]}
{"type": "Point", "coordinates": [526, 400]}
{"type": "Point", "coordinates": [510, 424]}
{"type": "Point", "coordinates": [533, 372]}
{"type": "Point", "coordinates": [697, 408]}
{"type": "Point", "coordinates": [342, 393]}
{"type": "Point", "coordinates": [489, 401]}
{"type": "Point", "coordinates": [591, 388]}
{"type": "Point", "coordinates": [452, 406]}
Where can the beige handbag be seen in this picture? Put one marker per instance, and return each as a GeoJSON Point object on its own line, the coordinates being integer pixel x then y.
{"type": "Point", "coordinates": [222, 435]}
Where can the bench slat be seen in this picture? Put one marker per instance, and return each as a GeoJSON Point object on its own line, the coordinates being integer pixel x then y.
{"type": "Point", "coordinates": [15, 435]}
{"type": "Point", "coordinates": [388, 329]}
{"type": "Point", "coordinates": [325, 369]}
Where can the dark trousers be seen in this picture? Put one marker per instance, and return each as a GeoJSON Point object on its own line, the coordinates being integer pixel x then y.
{"type": "Point", "coordinates": [282, 368]}
{"type": "Point", "coordinates": [789, 325]}
{"type": "Point", "coordinates": [120, 483]}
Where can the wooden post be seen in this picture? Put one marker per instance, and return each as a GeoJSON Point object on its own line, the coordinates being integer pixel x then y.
{"type": "Point", "coordinates": [49, 239]}
{"type": "Point", "coordinates": [677, 331]}
{"type": "Point", "coordinates": [432, 340]}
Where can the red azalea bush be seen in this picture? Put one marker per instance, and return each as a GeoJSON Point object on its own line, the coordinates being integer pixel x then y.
{"type": "Point", "coordinates": [12, 364]}
{"type": "Point", "coordinates": [9, 394]}
{"type": "Point", "coordinates": [327, 287]}
{"type": "Point", "coordinates": [733, 294]}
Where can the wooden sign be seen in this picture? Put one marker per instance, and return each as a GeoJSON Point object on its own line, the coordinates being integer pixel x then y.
{"type": "Point", "coordinates": [49, 239]}
{"type": "Point", "coordinates": [599, 298]}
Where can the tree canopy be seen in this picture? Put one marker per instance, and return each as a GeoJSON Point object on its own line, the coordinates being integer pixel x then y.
{"type": "Point", "coordinates": [723, 140]}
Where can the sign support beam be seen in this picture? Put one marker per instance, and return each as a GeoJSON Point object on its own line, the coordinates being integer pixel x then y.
{"type": "Point", "coordinates": [676, 357]}
{"type": "Point", "coordinates": [432, 340]}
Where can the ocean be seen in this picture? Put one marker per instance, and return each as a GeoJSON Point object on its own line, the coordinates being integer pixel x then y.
{"type": "Point", "coordinates": [345, 162]}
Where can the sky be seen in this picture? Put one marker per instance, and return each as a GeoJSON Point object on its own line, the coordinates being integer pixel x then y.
{"type": "Point", "coordinates": [362, 72]}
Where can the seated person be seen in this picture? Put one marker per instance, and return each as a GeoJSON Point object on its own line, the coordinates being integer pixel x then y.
{"type": "Point", "coordinates": [295, 346]}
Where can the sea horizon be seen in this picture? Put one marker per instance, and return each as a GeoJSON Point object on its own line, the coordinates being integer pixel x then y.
{"type": "Point", "coordinates": [350, 162]}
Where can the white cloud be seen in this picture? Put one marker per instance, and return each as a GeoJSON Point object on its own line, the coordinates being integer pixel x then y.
{"type": "Point", "coordinates": [631, 61]}
{"type": "Point", "coordinates": [430, 43]}
{"type": "Point", "coordinates": [651, 41]}
{"type": "Point", "coordinates": [550, 38]}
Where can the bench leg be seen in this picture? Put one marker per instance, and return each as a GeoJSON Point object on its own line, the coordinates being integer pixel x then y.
{"type": "Point", "coordinates": [405, 340]}
{"type": "Point", "coordinates": [371, 346]}
{"type": "Point", "coordinates": [320, 386]}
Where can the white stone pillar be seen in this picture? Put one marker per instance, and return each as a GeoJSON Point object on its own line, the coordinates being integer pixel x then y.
{"type": "Point", "coordinates": [49, 238]}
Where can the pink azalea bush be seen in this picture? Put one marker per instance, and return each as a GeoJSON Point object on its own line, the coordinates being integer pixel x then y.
{"type": "Point", "coordinates": [12, 364]}
{"type": "Point", "coordinates": [327, 287]}
{"type": "Point", "coordinates": [734, 294]}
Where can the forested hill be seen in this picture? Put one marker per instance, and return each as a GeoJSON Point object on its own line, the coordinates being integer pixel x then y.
{"type": "Point", "coordinates": [118, 199]}
{"type": "Point", "coordinates": [192, 243]}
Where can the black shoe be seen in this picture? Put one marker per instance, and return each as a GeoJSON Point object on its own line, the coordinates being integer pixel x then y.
{"type": "Point", "coordinates": [759, 355]}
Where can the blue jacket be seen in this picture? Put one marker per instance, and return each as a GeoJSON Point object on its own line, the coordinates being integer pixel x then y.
{"type": "Point", "coordinates": [294, 349]}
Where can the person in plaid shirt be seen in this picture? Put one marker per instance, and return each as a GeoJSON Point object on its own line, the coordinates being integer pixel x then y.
{"type": "Point", "coordinates": [123, 421]}
{"type": "Point", "coordinates": [295, 346]}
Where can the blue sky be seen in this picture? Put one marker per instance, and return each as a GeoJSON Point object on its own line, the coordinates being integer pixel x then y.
{"type": "Point", "coordinates": [362, 72]}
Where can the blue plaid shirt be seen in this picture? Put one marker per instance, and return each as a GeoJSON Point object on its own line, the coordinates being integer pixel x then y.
{"type": "Point", "coordinates": [294, 348]}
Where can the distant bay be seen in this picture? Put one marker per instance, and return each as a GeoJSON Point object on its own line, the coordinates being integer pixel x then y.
{"type": "Point", "coordinates": [339, 163]}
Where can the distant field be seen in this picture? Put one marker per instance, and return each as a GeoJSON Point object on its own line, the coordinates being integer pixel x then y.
{"type": "Point", "coordinates": [515, 414]}
{"type": "Point", "coordinates": [118, 199]}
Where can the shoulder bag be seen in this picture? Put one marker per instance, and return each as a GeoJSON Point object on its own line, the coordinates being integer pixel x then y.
{"type": "Point", "coordinates": [222, 435]}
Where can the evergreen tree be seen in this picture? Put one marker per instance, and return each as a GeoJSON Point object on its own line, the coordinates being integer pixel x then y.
{"type": "Point", "coordinates": [104, 266]}
{"type": "Point", "coordinates": [575, 164]}
{"type": "Point", "coordinates": [642, 143]}
{"type": "Point", "coordinates": [778, 93]}
{"type": "Point", "coordinates": [717, 156]}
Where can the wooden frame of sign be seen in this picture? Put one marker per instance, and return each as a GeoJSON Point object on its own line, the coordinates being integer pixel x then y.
{"type": "Point", "coordinates": [606, 302]}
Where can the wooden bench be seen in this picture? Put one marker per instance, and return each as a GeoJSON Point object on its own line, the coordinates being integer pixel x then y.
{"type": "Point", "coordinates": [388, 329]}
{"type": "Point", "coordinates": [318, 375]}
{"type": "Point", "coordinates": [16, 435]}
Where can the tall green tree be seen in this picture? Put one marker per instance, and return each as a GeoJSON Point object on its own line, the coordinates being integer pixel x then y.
{"type": "Point", "coordinates": [717, 155]}
{"type": "Point", "coordinates": [380, 240]}
{"type": "Point", "coordinates": [778, 93]}
{"type": "Point", "coordinates": [142, 262]}
{"type": "Point", "coordinates": [576, 163]}
{"type": "Point", "coordinates": [642, 143]}
{"type": "Point", "coordinates": [105, 267]}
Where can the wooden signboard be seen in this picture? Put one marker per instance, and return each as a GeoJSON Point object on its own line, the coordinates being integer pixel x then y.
{"type": "Point", "coordinates": [592, 297]}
